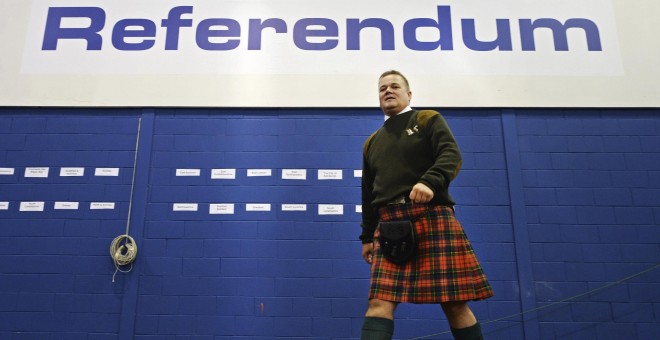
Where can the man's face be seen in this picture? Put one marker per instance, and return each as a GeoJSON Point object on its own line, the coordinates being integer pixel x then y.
{"type": "Point", "coordinates": [394, 94]}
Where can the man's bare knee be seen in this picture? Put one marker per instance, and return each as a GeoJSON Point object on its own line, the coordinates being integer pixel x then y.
{"type": "Point", "coordinates": [381, 309]}
{"type": "Point", "coordinates": [458, 314]}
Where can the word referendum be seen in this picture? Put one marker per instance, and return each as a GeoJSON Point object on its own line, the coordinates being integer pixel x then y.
{"type": "Point", "coordinates": [320, 34]}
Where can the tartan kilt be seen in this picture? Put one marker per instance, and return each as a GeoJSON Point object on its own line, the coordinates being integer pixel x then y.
{"type": "Point", "coordinates": [444, 267]}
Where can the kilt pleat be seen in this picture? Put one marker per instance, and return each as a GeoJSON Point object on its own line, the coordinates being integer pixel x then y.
{"type": "Point", "coordinates": [445, 267]}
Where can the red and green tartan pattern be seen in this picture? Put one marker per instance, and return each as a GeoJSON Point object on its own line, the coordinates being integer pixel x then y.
{"type": "Point", "coordinates": [444, 268]}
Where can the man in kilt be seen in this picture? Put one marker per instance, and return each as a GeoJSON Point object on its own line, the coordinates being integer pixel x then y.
{"type": "Point", "coordinates": [407, 166]}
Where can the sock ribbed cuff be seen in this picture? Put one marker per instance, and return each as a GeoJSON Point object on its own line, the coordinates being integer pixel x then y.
{"type": "Point", "coordinates": [377, 329]}
{"type": "Point", "coordinates": [468, 333]}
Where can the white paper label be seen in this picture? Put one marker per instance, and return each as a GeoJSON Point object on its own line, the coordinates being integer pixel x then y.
{"type": "Point", "coordinates": [221, 209]}
{"type": "Point", "coordinates": [300, 174]}
{"type": "Point", "coordinates": [259, 173]}
{"type": "Point", "coordinates": [184, 207]}
{"type": "Point", "coordinates": [357, 173]}
{"type": "Point", "coordinates": [187, 172]}
{"type": "Point", "coordinates": [331, 209]}
{"type": "Point", "coordinates": [106, 172]}
{"type": "Point", "coordinates": [66, 205]}
{"type": "Point", "coordinates": [294, 207]}
{"type": "Point", "coordinates": [36, 172]}
{"type": "Point", "coordinates": [6, 171]}
{"type": "Point", "coordinates": [358, 208]}
{"type": "Point", "coordinates": [72, 172]}
{"type": "Point", "coordinates": [223, 174]}
{"type": "Point", "coordinates": [102, 205]}
{"type": "Point", "coordinates": [4, 205]}
{"type": "Point", "coordinates": [32, 206]}
{"type": "Point", "coordinates": [330, 174]}
{"type": "Point", "coordinates": [257, 207]}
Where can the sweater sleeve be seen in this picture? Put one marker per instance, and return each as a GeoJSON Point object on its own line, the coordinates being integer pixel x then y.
{"type": "Point", "coordinates": [447, 155]}
{"type": "Point", "coordinates": [369, 215]}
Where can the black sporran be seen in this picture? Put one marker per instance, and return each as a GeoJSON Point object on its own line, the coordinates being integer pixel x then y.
{"type": "Point", "coordinates": [397, 240]}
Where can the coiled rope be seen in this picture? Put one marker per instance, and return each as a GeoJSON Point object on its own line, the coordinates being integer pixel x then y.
{"type": "Point", "coordinates": [123, 254]}
{"type": "Point", "coordinates": [123, 248]}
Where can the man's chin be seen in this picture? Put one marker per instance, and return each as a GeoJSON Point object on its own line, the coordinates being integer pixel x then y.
{"type": "Point", "coordinates": [390, 111]}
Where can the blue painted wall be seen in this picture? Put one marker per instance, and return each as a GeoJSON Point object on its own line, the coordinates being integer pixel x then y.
{"type": "Point", "coordinates": [559, 204]}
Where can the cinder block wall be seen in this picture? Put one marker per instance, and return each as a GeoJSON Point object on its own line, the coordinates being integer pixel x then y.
{"type": "Point", "coordinates": [560, 205]}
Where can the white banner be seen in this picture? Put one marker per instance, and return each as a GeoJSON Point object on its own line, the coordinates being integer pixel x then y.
{"type": "Point", "coordinates": [300, 53]}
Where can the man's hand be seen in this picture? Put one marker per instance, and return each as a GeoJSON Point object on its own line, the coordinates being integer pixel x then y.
{"type": "Point", "coordinates": [420, 193]}
{"type": "Point", "coordinates": [368, 252]}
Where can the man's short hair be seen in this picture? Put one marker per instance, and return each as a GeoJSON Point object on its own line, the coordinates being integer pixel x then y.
{"type": "Point", "coordinates": [395, 72]}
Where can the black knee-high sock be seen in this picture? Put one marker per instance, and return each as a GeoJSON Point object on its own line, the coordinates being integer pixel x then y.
{"type": "Point", "coordinates": [377, 329]}
{"type": "Point", "coordinates": [468, 333]}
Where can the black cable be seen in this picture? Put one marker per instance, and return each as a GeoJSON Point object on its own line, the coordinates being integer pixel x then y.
{"type": "Point", "coordinates": [611, 284]}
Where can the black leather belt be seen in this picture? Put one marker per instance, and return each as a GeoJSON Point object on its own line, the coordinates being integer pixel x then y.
{"type": "Point", "coordinates": [399, 200]}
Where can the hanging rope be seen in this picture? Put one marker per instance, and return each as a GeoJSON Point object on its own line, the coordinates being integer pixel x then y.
{"type": "Point", "coordinates": [123, 248]}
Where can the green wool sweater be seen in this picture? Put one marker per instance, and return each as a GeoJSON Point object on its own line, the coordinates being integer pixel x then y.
{"type": "Point", "coordinates": [412, 147]}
